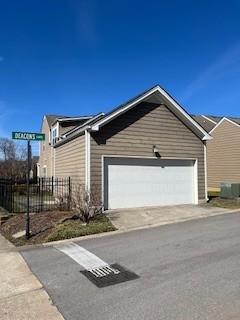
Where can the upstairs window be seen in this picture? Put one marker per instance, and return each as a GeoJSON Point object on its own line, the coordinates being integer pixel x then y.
{"type": "Point", "coordinates": [54, 135]}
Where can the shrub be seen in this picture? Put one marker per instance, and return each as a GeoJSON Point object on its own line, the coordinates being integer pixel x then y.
{"type": "Point", "coordinates": [86, 202]}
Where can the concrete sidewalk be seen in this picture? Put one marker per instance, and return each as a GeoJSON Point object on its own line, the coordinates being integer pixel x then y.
{"type": "Point", "coordinates": [22, 296]}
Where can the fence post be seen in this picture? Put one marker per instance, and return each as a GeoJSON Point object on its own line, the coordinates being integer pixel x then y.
{"type": "Point", "coordinates": [69, 193]}
{"type": "Point", "coordinates": [52, 186]}
{"type": "Point", "coordinates": [41, 194]}
{"type": "Point", "coordinates": [12, 200]}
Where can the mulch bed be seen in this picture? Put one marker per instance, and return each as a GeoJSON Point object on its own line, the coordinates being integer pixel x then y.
{"type": "Point", "coordinates": [41, 225]}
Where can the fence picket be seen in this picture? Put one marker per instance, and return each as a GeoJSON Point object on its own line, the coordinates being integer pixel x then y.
{"type": "Point", "coordinates": [45, 194]}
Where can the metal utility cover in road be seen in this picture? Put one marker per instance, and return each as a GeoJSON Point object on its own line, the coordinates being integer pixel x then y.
{"type": "Point", "coordinates": [28, 136]}
{"type": "Point", "coordinates": [96, 270]}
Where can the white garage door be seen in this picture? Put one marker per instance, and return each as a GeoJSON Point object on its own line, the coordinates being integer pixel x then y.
{"type": "Point", "coordinates": [130, 183]}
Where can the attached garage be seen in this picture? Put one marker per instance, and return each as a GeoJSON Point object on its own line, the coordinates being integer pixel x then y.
{"type": "Point", "coordinates": [146, 152]}
{"type": "Point", "coordinates": [136, 182]}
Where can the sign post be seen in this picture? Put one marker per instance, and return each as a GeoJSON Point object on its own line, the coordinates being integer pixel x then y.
{"type": "Point", "coordinates": [28, 136]}
{"type": "Point", "coordinates": [28, 193]}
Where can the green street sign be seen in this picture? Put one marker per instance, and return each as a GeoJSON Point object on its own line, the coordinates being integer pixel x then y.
{"type": "Point", "coordinates": [28, 136]}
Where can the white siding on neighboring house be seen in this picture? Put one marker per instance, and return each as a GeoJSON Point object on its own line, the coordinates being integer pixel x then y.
{"type": "Point", "coordinates": [46, 152]}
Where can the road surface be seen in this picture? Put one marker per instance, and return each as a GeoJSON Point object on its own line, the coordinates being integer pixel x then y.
{"type": "Point", "coordinates": [183, 271]}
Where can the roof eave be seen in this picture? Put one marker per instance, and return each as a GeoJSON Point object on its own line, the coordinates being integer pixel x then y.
{"type": "Point", "coordinates": [201, 132]}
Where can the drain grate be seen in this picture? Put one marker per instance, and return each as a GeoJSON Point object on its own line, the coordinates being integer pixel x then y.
{"type": "Point", "coordinates": [109, 275]}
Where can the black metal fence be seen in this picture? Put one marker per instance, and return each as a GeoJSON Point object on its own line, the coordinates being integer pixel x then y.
{"type": "Point", "coordinates": [45, 194]}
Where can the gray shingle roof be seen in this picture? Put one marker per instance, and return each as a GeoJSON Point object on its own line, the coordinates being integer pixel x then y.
{"type": "Point", "coordinates": [204, 123]}
{"type": "Point", "coordinates": [237, 120]}
{"type": "Point", "coordinates": [209, 125]}
{"type": "Point", "coordinates": [51, 118]}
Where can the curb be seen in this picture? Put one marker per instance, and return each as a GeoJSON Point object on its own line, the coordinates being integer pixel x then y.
{"type": "Point", "coordinates": [119, 231]}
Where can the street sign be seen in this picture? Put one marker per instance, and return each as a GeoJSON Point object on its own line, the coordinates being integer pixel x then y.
{"type": "Point", "coordinates": [28, 136]}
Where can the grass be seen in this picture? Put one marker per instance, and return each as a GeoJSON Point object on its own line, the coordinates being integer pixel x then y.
{"type": "Point", "coordinates": [53, 226]}
{"type": "Point", "coordinates": [213, 193]}
{"type": "Point", "coordinates": [224, 203]}
{"type": "Point", "coordinates": [73, 229]}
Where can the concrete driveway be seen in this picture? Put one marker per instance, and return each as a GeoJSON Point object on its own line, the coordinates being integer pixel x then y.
{"type": "Point", "coordinates": [127, 219]}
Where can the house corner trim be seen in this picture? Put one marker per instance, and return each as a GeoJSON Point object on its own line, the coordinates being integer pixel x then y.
{"type": "Point", "coordinates": [87, 160]}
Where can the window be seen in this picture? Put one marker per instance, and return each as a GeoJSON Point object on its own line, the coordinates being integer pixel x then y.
{"type": "Point", "coordinates": [44, 171]}
{"type": "Point", "coordinates": [54, 135]}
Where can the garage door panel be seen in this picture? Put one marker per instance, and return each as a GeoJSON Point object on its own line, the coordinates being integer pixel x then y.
{"type": "Point", "coordinates": [147, 182]}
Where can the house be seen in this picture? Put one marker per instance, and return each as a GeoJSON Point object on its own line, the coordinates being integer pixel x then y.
{"type": "Point", "coordinates": [54, 127]}
{"type": "Point", "coordinates": [147, 152]}
{"type": "Point", "coordinates": [223, 150]}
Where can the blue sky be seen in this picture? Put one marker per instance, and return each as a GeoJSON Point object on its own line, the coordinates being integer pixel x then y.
{"type": "Point", "coordinates": [81, 57]}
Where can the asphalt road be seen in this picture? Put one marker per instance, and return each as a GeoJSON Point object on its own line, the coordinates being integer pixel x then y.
{"type": "Point", "coordinates": [186, 271]}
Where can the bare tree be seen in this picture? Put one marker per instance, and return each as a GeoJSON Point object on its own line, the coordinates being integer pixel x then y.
{"type": "Point", "coordinates": [7, 149]}
{"type": "Point", "coordinates": [12, 158]}
{"type": "Point", "coordinates": [87, 203]}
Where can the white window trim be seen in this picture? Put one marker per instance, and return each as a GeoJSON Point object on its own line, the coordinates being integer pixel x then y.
{"type": "Point", "coordinates": [38, 169]}
{"type": "Point", "coordinates": [55, 127]}
{"type": "Point", "coordinates": [45, 167]}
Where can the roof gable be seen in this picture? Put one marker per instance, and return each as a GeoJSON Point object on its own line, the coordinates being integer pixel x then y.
{"type": "Point", "coordinates": [51, 118]}
{"type": "Point", "coordinates": [224, 119]}
{"type": "Point", "coordinates": [160, 96]}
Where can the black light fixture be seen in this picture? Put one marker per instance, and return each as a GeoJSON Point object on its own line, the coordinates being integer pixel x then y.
{"type": "Point", "coordinates": [156, 151]}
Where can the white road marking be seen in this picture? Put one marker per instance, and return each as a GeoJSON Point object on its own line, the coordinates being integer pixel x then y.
{"type": "Point", "coordinates": [88, 260]}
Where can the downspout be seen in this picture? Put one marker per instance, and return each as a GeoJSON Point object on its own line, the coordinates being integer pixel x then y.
{"type": "Point", "coordinates": [205, 169]}
{"type": "Point", "coordinates": [87, 159]}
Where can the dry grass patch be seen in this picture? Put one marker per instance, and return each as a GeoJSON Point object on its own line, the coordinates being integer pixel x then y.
{"type": "Point", "coordinates": [224, 203]}
{"type": "Point", "coordinates": [53, 225]}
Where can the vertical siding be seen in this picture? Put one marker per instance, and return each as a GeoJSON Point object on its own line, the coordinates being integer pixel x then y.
{"type": "Point", "coordinates": [223, 155]}
{"type": "Point", "coordinates": [46, 154]}
{"type": "Point", "coordinates": [70, 159]}
{"type": "Point", "coordinates": [135, 133]}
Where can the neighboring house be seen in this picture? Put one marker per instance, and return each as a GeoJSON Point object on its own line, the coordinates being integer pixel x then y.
{"type": "Point", "coordinates": [54, 127]}
{"type": "Point", "coordinates": [35, 161]}
{"type": "Point", "coordinates": [223, 150]}
{"type": "Point", "coordinates": [147, 152]}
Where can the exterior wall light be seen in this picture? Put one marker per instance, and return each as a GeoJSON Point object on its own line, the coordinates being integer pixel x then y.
{"type": "Point", "coordinates": [155, 149]}
{"type": "Point", "coordinates": [156, 152]}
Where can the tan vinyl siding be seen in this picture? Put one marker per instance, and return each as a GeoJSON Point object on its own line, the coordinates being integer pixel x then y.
{"type": "Point", "coordinates": [63, 130]}
{"type": "Point", "coordinates": [70, 160]}
{"type": "Point", "coordinates": [223, 155]}
{"type": "Point", "coordinates": [134, 134]}
{"type": "Point", "coordinates": [67, 126]}
{"type": "Point", "coordinates": [46, 151]}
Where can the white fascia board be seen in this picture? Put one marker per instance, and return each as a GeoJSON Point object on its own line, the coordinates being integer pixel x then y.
{"type": "Point", "coordinates": [187, 116]}
{"type": "Point", "coordinates": [210, 120]}
{"type": "Point", "coordinates": [83, 126]}
{"type": "Point", "coordinates": [73, 119]}
{"type": "Point", "coordinates": [128, 106]}
{"type": "Point", "coordinates": [221, 121]}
